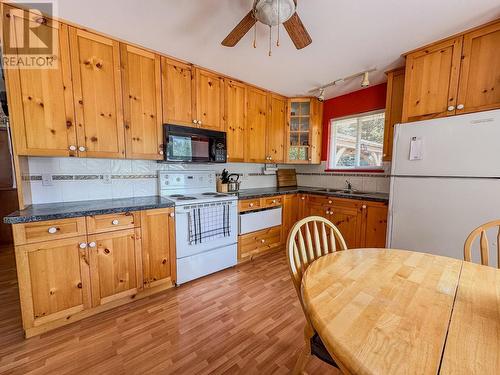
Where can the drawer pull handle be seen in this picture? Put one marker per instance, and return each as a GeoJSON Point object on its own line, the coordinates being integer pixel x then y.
{"type": "Point", "coordinates": [92, 244]}
{"type": "Point", "coordinates": [115, 222]}
{"type": "Point", "coordinates": [83, 245]}
{"type": "Point", "coordinates": [52, 230]}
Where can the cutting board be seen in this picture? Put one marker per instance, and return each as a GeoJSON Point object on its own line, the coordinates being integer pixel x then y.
{"type": "Point", "coordinates": [286, 177]}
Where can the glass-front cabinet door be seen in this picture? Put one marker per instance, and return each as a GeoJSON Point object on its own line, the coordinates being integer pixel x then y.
{"type": "Point", "coordinates": [299, 130]}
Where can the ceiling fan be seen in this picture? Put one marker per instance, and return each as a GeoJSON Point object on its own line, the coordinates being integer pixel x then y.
{"type": "Point", "coordinates": [272, 13]}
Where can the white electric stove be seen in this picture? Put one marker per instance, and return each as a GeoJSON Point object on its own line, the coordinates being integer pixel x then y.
{"type": "Point", "coordinates": [195, 197]}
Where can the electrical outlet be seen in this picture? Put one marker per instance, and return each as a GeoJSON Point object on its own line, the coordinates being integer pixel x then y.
{"type": "Point", "coordinates": [46, 179]}
{"type": "Point", "coordinates": [106, 178]}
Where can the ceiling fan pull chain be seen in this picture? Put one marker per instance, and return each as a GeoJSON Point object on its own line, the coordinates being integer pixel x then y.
{"type": "Point", "coordinates": [255, 36]}
{"type": "Point", "coordinates": [270, 40]}
{"type": "Point", "coordinates": [278, 38]}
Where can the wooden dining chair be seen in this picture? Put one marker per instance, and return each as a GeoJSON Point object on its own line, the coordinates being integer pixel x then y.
{"type": "Point", "coordinates": [484, 246]}
{"type": "Point", "coordinates": [310, 239]}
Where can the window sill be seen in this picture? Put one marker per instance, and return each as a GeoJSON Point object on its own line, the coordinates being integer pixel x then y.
{"type": "Point", "coordinates": [357, 170]}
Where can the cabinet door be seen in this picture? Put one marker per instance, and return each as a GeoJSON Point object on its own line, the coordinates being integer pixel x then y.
{"type": "Point", "coordinates": [316, 131]}
{"type": "Point", "coordinates": [298, 131]}
{"type": "Point", "coordinates": [256, 125]}
{"type": "Point", "coordinates": [158, 246]}
{"type": "Point", "coordinates": [178, 92]}
{"type": "Point", "coordinates": [393, 108]}
{"type": "Point", "coordinates": [374, 225]}
{"type": "Point", "coordinates": [347, 217]}
{"type": "Point", "coordinates": [236, 112]}
{"type": "Point", "coordinates": [480, 73]}
{"type": "Point", "coordinates": [41, 100]}
{"type": "Point", "coordinates": [275, 151]}
{"type": "Point", "coordinates": [209, 100]}
{"type": "Point", "coordinates": [431, 81]}
{"type": "Point", "coordinates": [142, 103]}
{"type": "Point", "coordinates": [95, 64]}
{"type": "Point", "coordinates": [115, 265]}
{"type": "Point", "coordinates": [53, 280]}
{"type": "Point", "coordinates": [290, 213]}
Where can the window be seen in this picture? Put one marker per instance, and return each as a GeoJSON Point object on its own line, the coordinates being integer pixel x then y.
{"type": "Point", "coordinates": [357, 142]}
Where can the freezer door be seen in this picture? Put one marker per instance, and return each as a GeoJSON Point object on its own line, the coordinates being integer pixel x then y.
{"type": "Point", "coordinates": [466, 145]}
{"type": "Point", "coordinates": [436, 215]}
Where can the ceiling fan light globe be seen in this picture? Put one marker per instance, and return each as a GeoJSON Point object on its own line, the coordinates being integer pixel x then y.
{"type": "Point", "coordinates": [267, 12]}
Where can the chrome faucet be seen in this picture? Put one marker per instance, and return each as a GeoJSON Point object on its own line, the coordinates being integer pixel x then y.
{"type": "Point", "coordinates": [349, 185]}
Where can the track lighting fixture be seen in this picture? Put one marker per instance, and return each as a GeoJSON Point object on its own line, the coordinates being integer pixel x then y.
{"type": "Point", "coordinates": [365, 82]}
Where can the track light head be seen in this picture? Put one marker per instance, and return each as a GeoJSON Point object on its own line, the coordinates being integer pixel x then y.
{"type": "Point", "coordinates": [366, 79]}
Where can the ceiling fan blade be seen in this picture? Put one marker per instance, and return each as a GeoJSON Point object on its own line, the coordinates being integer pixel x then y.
{"type": "Point", "coordinates": [298, 33]}
{"type": "Point", "coordinates": [240, 30]}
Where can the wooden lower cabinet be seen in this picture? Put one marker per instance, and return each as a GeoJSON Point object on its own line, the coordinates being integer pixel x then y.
{"type": "Point", "coordinates": [158, 247]}
{"type": "Point", "coordinates": [63, 280]}
{"type": "Point", "coordinates": [362, 223]}
{"type": "Point", "coordinates": [115, 265]}
{"type": "Point", "coordinates": [256, 243]}
{"type": "Point", "coordinates": [54, 280]}
{"type": "Point", "coordinates": [290, 214]}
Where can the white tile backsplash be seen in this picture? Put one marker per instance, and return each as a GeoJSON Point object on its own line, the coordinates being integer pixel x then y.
{"type": "Point", "coordinates": [250, 176]}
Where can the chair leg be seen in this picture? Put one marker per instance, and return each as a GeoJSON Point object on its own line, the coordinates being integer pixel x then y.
{"type": "Point", "coordinates": [305, 352]}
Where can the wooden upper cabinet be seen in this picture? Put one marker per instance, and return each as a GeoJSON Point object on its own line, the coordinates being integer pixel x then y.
{"type": "Point", "coordinates": [393, 108]}
{"type": "Point", "coordinates": [115, 265]}
{"type": "Point", "coordinates": [158, 245]}
{"type": "Point", "coordinates": [97, 84]}
{"type": "Point", "coordinates": [316, 133]}
{"type": "Point", "coordinates": [431, 82]}
{"type": "Point", "coordinates": [209, 100]}
{"type": "Point", "coordinates": [178, 92]}
{"type": "Point", "coordinates": [479, 88]}
{"type": "Point", "coordinates": [235, 118]}
{"type": "Point", "coordinates": [256, 126]}
{"type": "Point", "coordinates": [41, 100]}
{"type": "Point", "coordinates": [275, 150]}
{"type": "Point", "coordinates": [141, 78]}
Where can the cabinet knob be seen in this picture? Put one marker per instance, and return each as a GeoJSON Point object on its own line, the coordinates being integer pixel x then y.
{"type": "Point", "coordinates": [52, 230]}
{"type": "Point", "coordinates": [303, 198]}
{"type": "Point", "coordinates": [309, 159]}
{"type": "Point", "coordinates": [72, 148]}
{"type": "Point", "coordinates": [83, 245]}
{"type": "Point", "coordinates": [199, 122]}
{"type": "Point", "coordinates": [363, 207]}
{"type": "Point", "coordinates": [172, 214]}
{"type": "Point", "coordinates": [330, 202]}
{"type": "Point", "coordinates": [115, 222]}
{"type": "Point", "coordinates": [460, 106]}
{"type": "Point", "coordinates": [160, 152]}
{"type": "Point", "coordinates": [92, 244]}
{"type": "Point", "coordinates": [451, 108]}
{"type": "Point", "coordinates": [82, 148]}
{"type": "Point", "coordinates": [274, 200]}
{"type": "Point", "coordinates": [251, 204]}
{"type": "Point", "coordinates": [263, 241]}
{"type": "Point", "coordinates": [195, 121]}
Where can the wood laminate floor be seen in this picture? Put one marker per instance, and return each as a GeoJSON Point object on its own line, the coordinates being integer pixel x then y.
{"type": "Point", "coordinates": [245, 320]}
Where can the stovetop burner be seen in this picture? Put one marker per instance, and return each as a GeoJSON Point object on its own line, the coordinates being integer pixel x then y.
{"type": "Point", "coordinates": [176, 196]}
{"type": "Point", "coordinates": [209, 193]}
{"type": "Point", "coordinates": [183, 198]}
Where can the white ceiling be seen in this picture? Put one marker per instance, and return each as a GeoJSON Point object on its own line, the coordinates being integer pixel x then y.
{"type": "Point", "coordinates": [348, 35]}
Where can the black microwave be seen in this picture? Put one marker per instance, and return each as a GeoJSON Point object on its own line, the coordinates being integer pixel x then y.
{"type": "Point", "coordinates": [193, 145]}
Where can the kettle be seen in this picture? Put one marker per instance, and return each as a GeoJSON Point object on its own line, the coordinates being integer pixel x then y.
{"type": "Point", "coordinates": [233, 184]}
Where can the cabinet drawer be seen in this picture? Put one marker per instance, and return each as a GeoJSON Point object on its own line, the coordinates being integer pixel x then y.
{"type": "Point", "coordinates": [112, 222]}
{"type": "Point", "coordinates": [48, 230]}
{"type": "Point", "coordinates": [252, 244]}
{"type": "Point", "coordinates": [320, 199]}
{"type": "Point", "coordinates": [249, 204]}
{"type": "Point", "coordinates": [272, 201]}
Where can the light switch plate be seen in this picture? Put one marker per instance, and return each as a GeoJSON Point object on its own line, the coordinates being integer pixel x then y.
{"type": "Point", "coordinates": [46, 179]}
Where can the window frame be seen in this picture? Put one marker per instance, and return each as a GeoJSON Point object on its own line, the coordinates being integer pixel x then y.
{"type": "Point", "coordinates": [332, 145]}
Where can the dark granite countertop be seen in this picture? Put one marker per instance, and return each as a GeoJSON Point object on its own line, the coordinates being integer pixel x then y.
{"type": "Point", "coordinates": [266, 192]}
{"type": "Point", "coordinates": [53, 211]}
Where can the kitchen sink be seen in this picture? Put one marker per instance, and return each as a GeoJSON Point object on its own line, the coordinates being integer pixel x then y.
{"type": "Point", "coordinates": [325, 190]}
{"type": "Point", "coordinates": [352, 192]}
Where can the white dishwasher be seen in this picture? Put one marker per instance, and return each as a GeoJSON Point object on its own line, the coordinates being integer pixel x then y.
{"type": "Point", "coordinates": [257, 220]}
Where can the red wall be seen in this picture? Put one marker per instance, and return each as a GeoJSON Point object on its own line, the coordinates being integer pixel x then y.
{"type": "Point", "coordinates": [365, 100]}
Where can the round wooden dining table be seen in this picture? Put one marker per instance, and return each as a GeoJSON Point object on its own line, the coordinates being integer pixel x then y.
{"type": "Point", "coordinates": [386, 311]}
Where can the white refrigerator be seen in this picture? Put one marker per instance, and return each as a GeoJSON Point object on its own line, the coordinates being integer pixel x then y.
{"type": "Point", "coordinates": [445, 182]}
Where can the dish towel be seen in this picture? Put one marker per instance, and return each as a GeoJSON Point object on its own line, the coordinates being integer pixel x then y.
{"type": "Point", "coordinates": [209, 222]}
